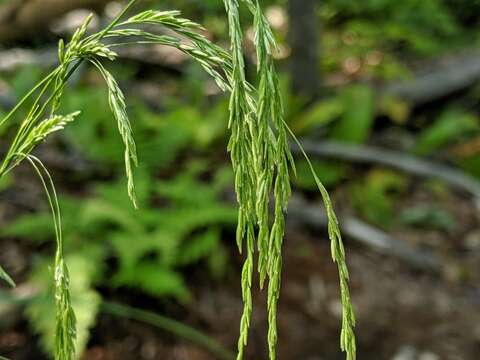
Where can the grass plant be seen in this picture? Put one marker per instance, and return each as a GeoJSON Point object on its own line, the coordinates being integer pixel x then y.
{"type": "Point", "coordinates": [259, 150]}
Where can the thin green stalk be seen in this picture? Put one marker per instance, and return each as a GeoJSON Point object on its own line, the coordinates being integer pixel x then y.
{"type": "Point", "coordinates": [6, 277]}
{"type": "Point", "coordinates": [347, 336]}
{"type": "Point", "coordinates": [26, 97]}
{"type": "Point", "coordinates": [22, 134]}
{"type": "Point", "coordinates": [117, 19]}
{"type": "Point", "coordinates": [27, 125]}
{"type": "Point", "coordinates": [65, 326]}
{"type": "Point", "coordinates": [165, 323]}
{"type": "Point", "coordinates": [172, 326]}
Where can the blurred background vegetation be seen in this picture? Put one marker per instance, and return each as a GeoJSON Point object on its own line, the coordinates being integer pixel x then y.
{"type": "Point", "coordinates": [385, 95]}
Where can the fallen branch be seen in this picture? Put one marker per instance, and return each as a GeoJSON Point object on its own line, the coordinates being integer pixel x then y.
{"type": "Point", "coordinates": [301, 213]}
{"type": "Point", "coordinates": [314, 216]}
{"type": "Point", "coordinates": [394, 159]}
{"type": "Point", "coordinates": [444, 77]}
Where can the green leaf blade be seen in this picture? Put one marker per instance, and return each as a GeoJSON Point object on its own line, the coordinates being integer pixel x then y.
{"type": "Point", "coordinates": [4, 275]}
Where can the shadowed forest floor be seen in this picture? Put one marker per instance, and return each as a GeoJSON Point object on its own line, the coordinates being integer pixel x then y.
{"type": "Point", "coordinates": [402, 313]}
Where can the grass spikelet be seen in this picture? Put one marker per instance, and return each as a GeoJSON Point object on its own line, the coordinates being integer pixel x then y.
{"type": "Point", "coordinates": [46, 128]}
{"type": "Point", "coordinates": [117, 104]}
{"type": "Point", "coordinates": [244, 155]}
{"type": "Point", "coordinates": [270, 109]}
{"type": "Point", "coordinates": [347, 335]}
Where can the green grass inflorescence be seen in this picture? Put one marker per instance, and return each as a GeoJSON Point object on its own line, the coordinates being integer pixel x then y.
{"type": "Point", "coordinates": [259, 150]}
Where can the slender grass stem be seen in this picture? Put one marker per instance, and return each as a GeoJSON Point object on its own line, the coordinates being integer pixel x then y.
{"type": "Point", "coordinates": [105, 31]}
{"type": "Point", "coordinates": [26, 97]}
{"type": "Point", "coordinates": [347, 336]}
{"type": "Point", "coordinates": [172, 326]}
{"type": "Point", "coordinates": [162, 322]}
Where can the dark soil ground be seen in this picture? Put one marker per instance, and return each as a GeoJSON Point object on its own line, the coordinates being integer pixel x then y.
{"type": "Point", "coordinates": [402, 313]}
